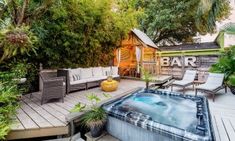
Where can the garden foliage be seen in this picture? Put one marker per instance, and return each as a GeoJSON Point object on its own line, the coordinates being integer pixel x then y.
{"type": "Point", "coordinates": [83, 33]}
{"type": "Point", "coordinates": [9, 96]}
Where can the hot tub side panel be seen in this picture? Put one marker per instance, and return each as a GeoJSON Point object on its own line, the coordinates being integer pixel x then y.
{"type": "Point", "coordinates": [128, 132]}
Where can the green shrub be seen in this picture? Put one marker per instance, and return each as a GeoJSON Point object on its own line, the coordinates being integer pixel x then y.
{"type": "Point", "coordinates": [231, 80]}
{"type": "Point", "coordinates": [225, 63]}
{"type": "Point", "coordinates": [9, 96]}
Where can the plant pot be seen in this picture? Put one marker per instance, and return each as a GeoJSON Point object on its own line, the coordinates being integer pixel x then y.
{"type": "Point", "coordinates": [96, 131]}
{"type": "Point", "coordinates": [232, 88]}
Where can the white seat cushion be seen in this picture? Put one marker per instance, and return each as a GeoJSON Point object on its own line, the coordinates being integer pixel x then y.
{"type": "Point", "coordinates": [97, 72]}
{"type": "Point", "coordinates": [208, 87]}
{"type": "Point", "coordinates": [93, 79]}
{"type": "Point", "coordinates": [213, 81]}
{"type": "Point", "coordinates": [86, 73]}
{"type": "Point", "coordinates": [114, 70]}
{"type": "Point", "coordinates": [181, 82]}
{"type": "Point", "coordinates": [102, 77]}
{"type": "Point", "coordinates": [114, 76]}
{"type": "Point", "coordinates": [81, 81]}
{"type": "Point", "coordinates": [106, 71]}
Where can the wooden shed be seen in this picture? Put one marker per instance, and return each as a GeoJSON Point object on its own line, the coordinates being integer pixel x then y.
{"type": "Point", "coordinates": [136, 51]}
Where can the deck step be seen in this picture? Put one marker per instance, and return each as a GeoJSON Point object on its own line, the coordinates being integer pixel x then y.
{"type": "Point", "coordinates": [76, 137]}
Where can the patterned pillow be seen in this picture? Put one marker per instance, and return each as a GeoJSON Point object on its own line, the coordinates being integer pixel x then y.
{"type": "Point", "coordinates": [76, 77]}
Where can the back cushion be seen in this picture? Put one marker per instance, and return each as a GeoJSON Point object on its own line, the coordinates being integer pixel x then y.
{"type": "Point", "coordinates": [97, 72]}
{"type": "Point", "coordinates": [107, 71]}
{"type": "Point", "coordinates": [86, 73]}
{"type": "Point", "coordinates": [114, 70]}
{"type": "Point", "coordinates": [74, 74]}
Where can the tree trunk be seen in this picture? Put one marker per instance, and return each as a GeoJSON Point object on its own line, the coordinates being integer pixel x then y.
{"type": "Point", "coordinates": [22, 13]}
{"type": "Point", "coordinates": [147, 85]}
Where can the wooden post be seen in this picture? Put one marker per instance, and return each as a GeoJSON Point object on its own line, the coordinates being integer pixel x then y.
{"type": "Point", "coordinates": [141, 61]}
{"type": "Point", "coordinates": [158, 56]}
{"type": "Point", "coordinates": [40, 79]}
{"type": "Point", "coordinates": [183, 63]}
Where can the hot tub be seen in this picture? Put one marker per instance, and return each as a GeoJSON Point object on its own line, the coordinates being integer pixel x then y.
{"type": "Point", "coordinates": [155, 115]}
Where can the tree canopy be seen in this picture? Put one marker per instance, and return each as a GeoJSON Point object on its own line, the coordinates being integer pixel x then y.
{"type": "Point", "coordinates": [172, 21]}
{"type": "Point", "coordinates": [83, 32]}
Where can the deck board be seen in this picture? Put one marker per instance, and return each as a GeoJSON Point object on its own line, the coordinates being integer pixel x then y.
{"type": "Point", "coordinates": [17, 125]}
{"type": "Point", "coordinates": [50, 110]}
{"type": "Point", "coordinates": [38, 119]}
{"type": "Point", "coordinates": [26, 121]}
{"type": "Point", "coordinates": [215, 129]}
{"type": "Point", "coordinates": [229, 129]}
{"type": "Point", "coordinates": [48, 116]}
{"type": "Point", "coordinates": [222, 131]}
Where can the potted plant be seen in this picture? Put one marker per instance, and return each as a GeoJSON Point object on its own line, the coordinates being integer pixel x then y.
{"type": "Point", "coordinates": [147, 77]}
{"type": "Point", "coordinates": [94, 117]}
{"type": "Point", "coordinates": [226, 65]}
{"type": "Point", "coordinates": [231, 83]}
{"type": "Point", "coordinates": [95, 120]}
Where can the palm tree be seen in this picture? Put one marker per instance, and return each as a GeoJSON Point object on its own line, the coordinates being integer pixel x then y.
{"type": "Point", "coordinates": [210, 11]}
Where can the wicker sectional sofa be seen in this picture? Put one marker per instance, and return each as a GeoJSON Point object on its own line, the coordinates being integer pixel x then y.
{"type": "Point", "coordinates": [84, 78]}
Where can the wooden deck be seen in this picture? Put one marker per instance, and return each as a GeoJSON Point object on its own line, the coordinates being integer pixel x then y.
{"type": "Point", "coordinates": [36, 120]}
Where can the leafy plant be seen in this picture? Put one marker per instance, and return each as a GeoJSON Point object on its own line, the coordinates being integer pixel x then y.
{"type": "Point", "coordinates": [231, 80]}
{"type": "Point", "coordinates": [16, 40]}
{"type": "Point", "coordinates": [146, 76]}
{"type": "Point", "coordinates": [4, 129]}
{"type": "Point", "coordinates": [225, 63]}
{"type": "Point", "coordinates": [9, 96]}
{"type": "Point", "coordinates": [78, 107]}
{"type": "Point", "coordinates": [94, 115]}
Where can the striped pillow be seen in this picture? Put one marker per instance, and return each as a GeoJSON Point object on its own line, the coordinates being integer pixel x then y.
{"type": "Point", "coordinates": [76, 77]}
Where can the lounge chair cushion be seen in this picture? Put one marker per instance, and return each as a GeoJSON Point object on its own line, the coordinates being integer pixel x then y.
{"type": "Point", "coordinates": [181, 83]}
{"type": "Point", "coordinates": [188, 78]}
{"type": "Point", "coordinates": [86, 73]}
{"type": "Point", "coordinates": [81, 81]}
{"type": "Point", "coordinates": [97, 72]}
{"type": "Point", "coordinates": [114, 70]}
{"type": "Point", "coordinates": [208, 87]}
{"type": "Point", "coordinates": [214, 81]}
{"type": "Point", "coordinates": [106, 71]}
{"type": "Point", "coordinates": [189, 75]}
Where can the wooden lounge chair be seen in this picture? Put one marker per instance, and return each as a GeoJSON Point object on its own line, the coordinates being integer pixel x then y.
{"type": "Point", "coordinates": [213, 84]}
{"type": "Point", "coordinates": [187, 80]}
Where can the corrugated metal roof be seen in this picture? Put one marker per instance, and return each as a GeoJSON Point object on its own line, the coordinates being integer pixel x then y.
{"type": "Point", "coordinates": [209, 45]}
{"type": "Point", "coordinates": [144, 38]}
